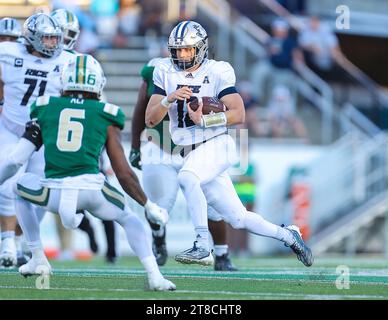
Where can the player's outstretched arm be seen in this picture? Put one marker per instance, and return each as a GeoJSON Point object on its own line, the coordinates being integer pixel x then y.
{"type": "Point", "coordinates": [128, 179]}
{"type": "Point", "coordinates": [138, 125]}
{"type": "Point", "coordinates": [126, 176]}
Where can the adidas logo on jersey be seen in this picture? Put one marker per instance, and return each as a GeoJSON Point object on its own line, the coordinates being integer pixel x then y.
{"type": "Point", "coordinates": [189, 75]}
{"type": "Point", "coordinates": [38, 61]}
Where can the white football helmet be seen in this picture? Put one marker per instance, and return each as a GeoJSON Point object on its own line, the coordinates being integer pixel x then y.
{"type": "Point", "coordinates": [40, 27]}
{"type": "Point", "coordinates": [10, 27]}
{"type": "Point", "coordinates": [188, 34]}
{"type": "Point", "coordinates": [70, 25]}
{"type": "Point", "coordinates": [83, 73]}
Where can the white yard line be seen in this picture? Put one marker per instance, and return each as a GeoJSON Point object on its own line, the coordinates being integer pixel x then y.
{"type": "Point", "coordinates": [232, 293]}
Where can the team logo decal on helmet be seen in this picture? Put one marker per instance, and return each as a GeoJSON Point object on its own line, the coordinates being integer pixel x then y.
{"type": "Point", "coordinates": [83, 73]}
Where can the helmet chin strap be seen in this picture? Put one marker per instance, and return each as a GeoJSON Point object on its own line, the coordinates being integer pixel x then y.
{"type": "Point", "coordinates": [183, 65]}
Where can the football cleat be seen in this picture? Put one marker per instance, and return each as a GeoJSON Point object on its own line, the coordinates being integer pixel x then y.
{"type": "Point", "coordinates": [302, 251]}
{"type": "Point", "coordinates": [8, 257]}
{"type": "Point", "coordinates": [158, 283]}
{"type": "Point", "coordinates": [160, 250]}
{"type": "Point", "coordinates": [223, 263]}
{"type": "Point", "coordinates": [36, 266]}
{"type": "Point", "coordinates": [196, 255]}
{"type": "Point", "coordinates": [110, 259]}
{"type": "Point", "coordinates": [22, 259]}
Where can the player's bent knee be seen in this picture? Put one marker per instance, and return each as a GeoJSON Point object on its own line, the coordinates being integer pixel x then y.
{"type": "Point", "coordinates": [237, 221]}
{"type": "Point", "coordinates": [188, 180]}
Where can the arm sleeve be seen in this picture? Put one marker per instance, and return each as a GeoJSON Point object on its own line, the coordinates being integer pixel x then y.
{"type": "Point", "coordinates": [158, 79]}
{"type": "Point", "coordinates": [227, 81]}
{"type": "Point", "coordinates": [227, 77]}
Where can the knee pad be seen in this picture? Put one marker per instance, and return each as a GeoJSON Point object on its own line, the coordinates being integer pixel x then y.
{"type": "Point", "coordinates": [188, 180]}
{"type": "Point", "coordinates": [237, 221]}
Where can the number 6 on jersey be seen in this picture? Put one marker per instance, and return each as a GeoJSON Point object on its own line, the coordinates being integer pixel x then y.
{"type": "Point", "coordinates": [70, 132]}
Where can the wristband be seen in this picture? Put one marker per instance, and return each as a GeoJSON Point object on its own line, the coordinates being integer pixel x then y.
{"type": "Point", "coordinates": [214, 120]}
{"type": "Point", "coordinates": [165, 103]}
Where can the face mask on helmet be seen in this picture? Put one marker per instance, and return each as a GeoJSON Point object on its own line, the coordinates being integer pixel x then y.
{"type": "Point", "coordinates": [70, 26]}
{"type": "Point", "coordinates": [44, 34]}
{"type": "Point", "coordinates": [188, 34]}
{"type": "Point", "coordinates": [10, 27]}
{"type": "Point", "coordinates": [84, 74]}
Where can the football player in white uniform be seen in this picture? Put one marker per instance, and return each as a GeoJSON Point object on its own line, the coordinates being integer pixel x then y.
{"type": "Point", "coordinates": [27, 70]}
{"type": "Point", "coordinates": [10, 30]}
{"type": "Point", "coordinates": [207, 148]}
{"type": "Point", "coordinates": [160, 174]}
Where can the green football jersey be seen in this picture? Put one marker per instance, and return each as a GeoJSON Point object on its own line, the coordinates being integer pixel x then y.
{"type": "Point", "coordinates": [147, 74]}
{"type": "Point", "coordinates": [74, 132]}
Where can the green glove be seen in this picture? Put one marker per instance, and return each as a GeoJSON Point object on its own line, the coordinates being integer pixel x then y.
{"type": "Point", "coordinates": [135, 159]}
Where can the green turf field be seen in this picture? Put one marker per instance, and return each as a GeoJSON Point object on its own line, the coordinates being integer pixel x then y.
{"type": "Point", "coordinates": [260, 278]}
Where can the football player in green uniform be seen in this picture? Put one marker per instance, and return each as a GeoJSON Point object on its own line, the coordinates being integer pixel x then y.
{"type": "Point", "coordinates": [74, 128]}
{"type": "Point", "coordinates": [71, 31]}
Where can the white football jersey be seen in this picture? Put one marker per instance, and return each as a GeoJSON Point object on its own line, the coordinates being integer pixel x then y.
{"type": "Point", "coordinates": [27, 77]}
{"type": "Point", "coordinates": [211, 79]}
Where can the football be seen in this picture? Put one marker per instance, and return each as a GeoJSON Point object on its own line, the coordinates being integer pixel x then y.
{"type": "Point", "coordinates": [210, 104]}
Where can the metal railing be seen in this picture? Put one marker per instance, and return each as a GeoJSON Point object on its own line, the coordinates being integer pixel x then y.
{"type": "Point", "coordinates": [249, 40]}
{"type": "Point", "coordinates": [375, 91]}
{"type": "Point", "coordinates": [356, 171]}
{"type": "Point", "coordinates": [351, 119]}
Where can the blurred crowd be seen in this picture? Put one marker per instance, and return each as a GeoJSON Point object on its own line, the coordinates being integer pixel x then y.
{"type": "Point", "coordinates": [269, 90]}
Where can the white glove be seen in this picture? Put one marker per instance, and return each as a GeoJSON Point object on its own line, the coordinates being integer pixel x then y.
{"type": "Point", "coordinates": [156, 214]}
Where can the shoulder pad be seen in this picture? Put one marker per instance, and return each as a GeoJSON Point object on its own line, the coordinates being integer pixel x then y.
{"type": "Point", "coordinates": [43, 100]}
{"type": "Point", "coordinates": [111, 109]}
